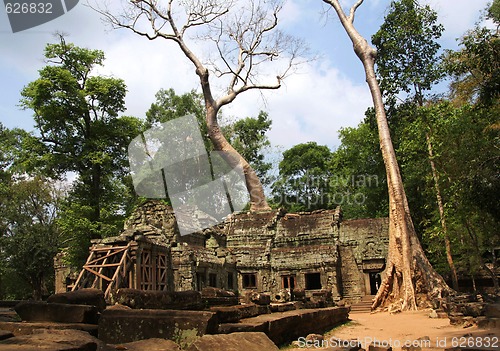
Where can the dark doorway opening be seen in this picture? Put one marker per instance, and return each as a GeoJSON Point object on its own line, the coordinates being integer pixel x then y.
{"type": "Point", "coordinates": [313, 281]}
{"type": "Point", "coordinates": [212, 280]}
{"type": "Point", "coordinates": [200, 281]}
{"type": "Point", "coordinates": [375, 281]}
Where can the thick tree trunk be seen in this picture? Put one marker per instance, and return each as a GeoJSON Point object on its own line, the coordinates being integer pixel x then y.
{"type": "Point", "coordinates": [409, 281]}
{"type": "Point", "coordinates": [258, 200]}
{"type": "Point", "coordinates": [439, 200]}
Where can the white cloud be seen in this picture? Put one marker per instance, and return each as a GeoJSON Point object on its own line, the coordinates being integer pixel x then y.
{"type": "Point", "coordinates": [457, 16]}
{"type": "Point", "coordinates": [310, 106]}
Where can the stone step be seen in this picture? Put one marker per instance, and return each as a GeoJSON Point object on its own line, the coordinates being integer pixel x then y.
{"type": "Point", "coordinates": [364, 306]}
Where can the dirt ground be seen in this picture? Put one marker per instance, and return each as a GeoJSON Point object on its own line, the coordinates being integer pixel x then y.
{"type": "Point", "coordinates": [412, 328]}
{"type": "Point", "coordinates": [409, 327]}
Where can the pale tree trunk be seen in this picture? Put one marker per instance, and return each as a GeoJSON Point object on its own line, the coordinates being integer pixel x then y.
{"type": "Point", "coordinates": [409, 281]}
{"type": "Point", "coordinates": [258, 200]}
{"type": "Point", "coordinates": [439, 200]}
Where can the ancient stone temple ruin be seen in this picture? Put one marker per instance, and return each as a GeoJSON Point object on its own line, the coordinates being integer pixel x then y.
{"type": "Point", "coordinates": [287, 255]}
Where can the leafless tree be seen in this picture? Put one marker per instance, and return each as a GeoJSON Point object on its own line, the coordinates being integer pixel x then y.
{"type": "Point", "coordinates": [408, 273]}
{"type": "Point", "coordinates": [248, 52]}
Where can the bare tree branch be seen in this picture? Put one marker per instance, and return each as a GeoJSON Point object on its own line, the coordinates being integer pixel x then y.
{"type": "Point", "coordinates": [245, 39]}
{"type": "Point", "coordinates": [353, 10]}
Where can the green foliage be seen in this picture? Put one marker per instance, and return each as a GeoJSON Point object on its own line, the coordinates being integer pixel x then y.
{"type": "Point", "coordinates": [302, 183]}
{"type": "Point", "coordinates": [248, 137]}
{"type": "Point", "coordinates": [475, 68]}
{"type": "Point", "coordinates": [466, 144]}
{"type": "Point", "coordinates": [407, 49]}
{"type": "Point", "coordinates": [76, 115]}
{"type": "Point", "coordinates": [169, 106]}
{"type": "Point", "coordinates": [31, 238]}
{"type": "Point", "coordinates": [358, 182]}
{"type": "Point", "coordinates": [494, 11]}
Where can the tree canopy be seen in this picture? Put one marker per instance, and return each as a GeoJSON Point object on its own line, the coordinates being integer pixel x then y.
{"type": "Point", "coordinates": [77, 117]}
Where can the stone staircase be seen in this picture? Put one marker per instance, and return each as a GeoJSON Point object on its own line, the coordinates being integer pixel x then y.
{"type": "Point", "coordinates": [364, 306]}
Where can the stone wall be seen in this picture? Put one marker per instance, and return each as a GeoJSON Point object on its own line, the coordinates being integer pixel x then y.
{"type": "Point", "coordinates": [270, 252]}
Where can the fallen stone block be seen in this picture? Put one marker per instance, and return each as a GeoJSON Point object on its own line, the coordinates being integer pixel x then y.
{"type": "Point", "coordinates": [121, 326]}
{"type": "Point", "coordinates": [26, 328]}
{"type": "Point", "coordinates": [258, 298]}
{"type": "Point", "coordinates": [315, 337]}
{"type": "Point", "coordinates": [473, 309]}
{"type": "Point", "coordinates": [39, 311]}
{"type": "Point", "coordinates": [288, 326]}
{"type": "Point", "coordinates": [5, 334]}
{"type": "Point", "coordinates": [163, 300]}
{"type": "Point", "coordinates": [282, 307]}
{"type": "Point", "coordinates": [234, 342]}
{"type": "Point", "coordinates": [482, 322]}
{"type": "Point", "coordinates": [229, 314]}
{"type": "Point", "coordinates": [149, 345]}
{"type": "Point", "coordinates": [280, 329]}
{"type": "Point", "coordinates": [377, 347]}
{"type": "Point", "coordinates": [492, 310]}
{"type": "Point", "coordinates": [9, 316]}
{"type": "Point", "coordinates": [220, 301]}
{"type": "Point", "coordinates": [494, 323]}
{"type": "Point", "coordinates": [91, 297]}
{"type": "Point", "coordinates": [232, 314]}
{"type": "Point", "coordinates": [210, 291]}
{"type": "Point", "coordinates": [228, 328]}
{"type": "Point", "coordinates": [53, 340]}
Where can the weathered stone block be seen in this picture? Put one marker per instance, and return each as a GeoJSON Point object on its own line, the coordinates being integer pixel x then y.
{"type": "Point", "coordinates": [299, 295]}
{"type": "Point", "coordinates": [482, 322]}
{"type": "Point", "coordinates": [149, 345]}
{"type": "Point", "coordinates": [228, 328]}
{"type": "Point", "coordinates": [376, 347]}
{"type": "Point", "coordinates": [91, 297]}
{"type": "Point", "coordinates": [5, 334]}
{"type": "Point", "coordinates": [492, 310]}
{"type": "Point", "coordinates": [473, 309]}
{"type": "Point", "coordinates": [282, 307]}
{"type": "Point", "coordinates": [26, 328]}
{"type": "Point", "coordinates": [234, 342]}
{"type": "Point", "coordinates": [163, 300]}
{"type": "Point", "coordinates": [220, 301]}
{"type": "Point", "coordinates": [210, 291]}
{"type": "Point", "coordinates": [38, 311]}
{"type": "Point", "coordinates": [119, 326]}
{"type": "Point", "coordinates": [53, 340]}
{"type": "Point", "coordinates": [280, 328]}
{"type": "Point", "coordinates": [442, 315]}
{"type": "Point", "coordinates": [258, 298]}
{"type": "Point", "coordinates": [228, 314]}
{"type": "Point", "coordinates": [411, 348]}
{"type": "Point", "coordinates": [456, 320]}
{"type": "Point", "coordinates": [314, 337]}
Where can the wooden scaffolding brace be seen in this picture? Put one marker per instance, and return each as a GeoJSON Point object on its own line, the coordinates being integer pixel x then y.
{"type": "Point", "coordinates": [107, 267]}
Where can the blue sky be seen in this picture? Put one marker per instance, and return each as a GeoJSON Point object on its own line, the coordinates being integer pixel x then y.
{"type": "Point", "coordinates": [312, 105]}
